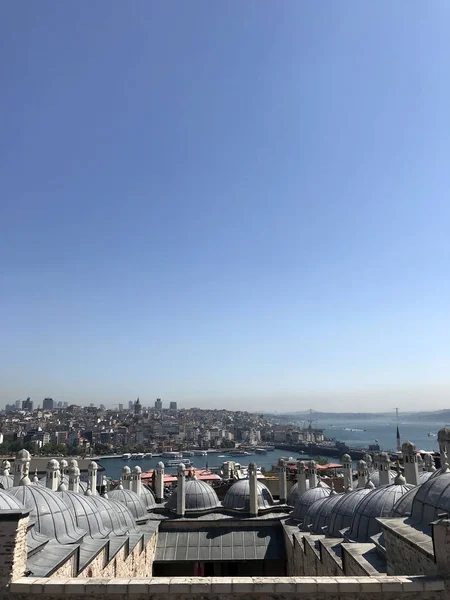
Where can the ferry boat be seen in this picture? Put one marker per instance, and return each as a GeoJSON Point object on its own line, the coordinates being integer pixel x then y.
{"type": "Point", "coordinates": [172, 455]}
{"type": "Point", "coordinates": [148, 455]}
{"type": "Point", "coordinates": [137, 456]}
{"type": "Point", "coordinates": [175, 463]}
{"type": "Point", "coordinates": [200, 453]}
{"type": "Point", "coordinates": [126, 456]}
{"type": "Point", "coordinates": [260, 451]}
{"type": "Point", "coordinates": [188, 453]}
{"type": "Point", "coordinates": [270, 448]}
{"type": "Point", "coordinates": [239, 453]}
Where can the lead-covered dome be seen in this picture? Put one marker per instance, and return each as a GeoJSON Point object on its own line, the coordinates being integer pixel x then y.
{"type": "Point", "coordinates": [87, 517]}
{"type": "Point", "coordinates": [318, 514]}
{"type": "Point", "coordinates": [403, 506]}
{"type": "Point", "coordinates": [8, 502]}
{"type": "Point", "coordinates": [83, 486]}
{"type": "Point", "coordinates": [199, 496]}
{"type": "Point", "coordinates": [432, 499]}
{"type": "Point", "coordinates": [379, 503]}
{"type": "Point", "coordinates": [308, 498]}
{"type": "Point", "coordinates": [132, 501]}
{"type": "Point", "coordinates": [6, 480]}
{"type": "Point", "coordinates": [375, 477]}
{"type": "Point", "coordinates": [294, 493]}
{"type": "Point", "coordinates": [111, 514]}
{"type": "Point", "coordinates": [238, 496]}
{"type": "Point", "coordinates": [342, 512]}
{"type": "Point", "coordinates": [51, 515]}
{"type": "Point", "coordinates": [148, 497]}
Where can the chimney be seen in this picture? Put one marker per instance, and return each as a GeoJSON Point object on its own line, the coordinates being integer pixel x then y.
{"type": "Point", "coordinates": [136, 481]}
{"type": "Point", "coordinates": [363, 474]}
{"type": "Point", "coordinates": [21, 466]}
{"type": "Point", "coordinates": [301, 477]}
{"type": "Point", "coordinates": [74, 476]}
{"type": "Point", "coordinates": [53, 475]}
{"type": "Point", "coordinates": [159, 482]}
{"type": "Point", "coordinates": [348, 472]}
{"type": "Point", "coordinates": [92, 475]}
{"type": "Point", "coordinates": [410, 465]}
{"type": "Point", "coordinates": [181, 491]}
{"type": "Point", "coordinates": [282, 481]}
{"type": "Point", "coordinates": [312, 474]}
{"type": "Point", "coordinates": [253, 485]}
{"type": "Point", "coordinates": [384, 467]}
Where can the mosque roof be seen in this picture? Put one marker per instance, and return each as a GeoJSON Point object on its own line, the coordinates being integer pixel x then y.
{"type": "Point", "coordinates": [132, 501]}
{"type": "Point", "coordinates": [318, 514]}
{"type": "Point", "coordinates": [308, 498]}
{"type": "Point", "coordinates": [8, 502]}
{"type": "Point", "coordinates": [199, 496]}
{"type": "Point", "coordinates": [431, 500]}
{"type": "Point", "coordinates": [50, 513]}
{"type": "Point", "coordinates": [403, 506]}
{"type": "Point", "coordinates": [293, 493]}
{"type": "Point", "coordinates": [375, 477]}
{"type": "Point", "coordinates": [87, 517]}
{"type": "Point", "coordinates": [238, 496]}
{"type": "Point", "coordinates": [342, 512]}
{"type": "Point", "coordinates": [379, 503]}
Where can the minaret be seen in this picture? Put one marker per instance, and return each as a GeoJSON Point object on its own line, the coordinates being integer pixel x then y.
{"type": "Point", "coordinates": [348, 472]}
{"type": "Point", "coordinates": [21, 466]}
{"type": "Point", "coordinates": [126, 477]}
{"type": "Point", "coordinates": [384, 467]}
{"type": "Point", "coordinates": [253, 489]}
{"type": "Point", "coordinates": [301, 477]}
{"type": "Point", "coordinates": [92, 475]}
{"type": "Point", "coordinates": [312, 474]}
{"type": "Point", "coordinates": [181, 491]}
{"type": "Point", "coordinates": [410, 466]}
{"type": "Point", "coordinates": [53, 475]}
{"type": "Point", "coordinates": [74, 476]}
{"type": "Point", "coordinates": [282, 481]}
{"type": "Point", "coordinates": [136, 481]}
{"type": "Point", "coordinates": [363, 474]}
{"type": "Point", "coordinates": [399, 443]}
{"type": "Point", "coordinates": [159, 482]}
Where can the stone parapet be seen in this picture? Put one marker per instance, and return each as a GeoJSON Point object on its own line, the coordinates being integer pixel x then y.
{"type": "Point", "coordinates": [224, 588]}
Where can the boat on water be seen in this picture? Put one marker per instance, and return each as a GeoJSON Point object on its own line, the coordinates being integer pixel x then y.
{"type": "Point", "coordinates": [260, 451]}
{"type": "Point", "coordinates": [172, 455]}
{"type": "Point", "coordinates": [175, 463]}
{"type": "Point", "coordinates": [270, 448]}
{"type": "Point", "coordinates": [126, 456]}
{"type": "Point", "coordinates": [200, 453]}
{"type": "Point", "coordinates": [137, 456]}
{"type": "Point", "coordinates": [148, 455]}
{"type": "Point", "coordinates": [431, 434]}
{"type": "Point", "coordinates": [239, 453]}
{"type": "Point", "coordinates": [188, 453]}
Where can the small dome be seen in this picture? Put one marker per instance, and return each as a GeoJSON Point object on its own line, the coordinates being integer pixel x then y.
{"type": "Point", "coordinates": [346, 458]}
{"type": "Point", "coordinates": [148, 497]}
{"type": "Point", "coordinates": [23, 455]}
{"type": "Point", "coordinates": [379, 503]}
{"type": "Point", "coordinates": [8, 502]}
{"type": "Point", "coordinates": [375, 477]}
{"type": "Point", "coordinates": [318, 514]}
{"type": "Point", "coordinates": [137, 470]}
{"type": "Point", "coordinates": [408, 448]}
{"type": "Point", "coordinates": [6, 482]}
{"type": "Point", "coordinates": [432, 499]}
{"type": "Point", "coordinates": [238, 496]}
{"type": "Point", "coordinates": [110, 514]}
{"type": "Point", "coordinates": [199, 497]}
{"type": "Point", "coordinates": [53, 464]}
{"type": "Point", "coordinates": [293, 493]}
{"type": "Point", "coordinates": [425, 476]}
{"type": "Point", "coordinates": [403, 506]}
{"type": "Point", "coordinates": [86, 516]}
{"type": "Point", "coordinates": [126, 470]}
{"type": "Point", "coordinates": [126, 517]}
{"type": "Point", "coordinates": [132, 501]}
{"type": "Point", "coordinates": [307, 499]}
{"type": "Point", "coordinates": [93, 466]}
{"type": "Point", "coordinates": [342, 512]}
{"type": "Point", "coordinates": [50, 513]}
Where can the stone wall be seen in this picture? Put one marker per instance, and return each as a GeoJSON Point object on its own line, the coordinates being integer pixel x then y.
{"type": "Point", "coordinates": [222, 588]}
{"type": "Point", "coordinates": [13, 546]}
{"type": "Point", "coordinates": [68, 569]}
{"type": "Point", "coordinates": [405, 558]}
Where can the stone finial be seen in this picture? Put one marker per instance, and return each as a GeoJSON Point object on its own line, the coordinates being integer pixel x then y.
{"type": "Point", "coordinates": [6, 467]}
{"type": "Point", "coordinates": [88, 491]}
{"type": "Point", "coordinates": [369, 485]}
{"type": "Point", "coordinates": [62, 487]}
{"type": "Point", "coordinates": [35, 478]}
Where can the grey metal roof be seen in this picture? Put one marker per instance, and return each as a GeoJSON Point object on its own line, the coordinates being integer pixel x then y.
{"type": "Point", "coordinates": [342, 512]}
{"type": "Point", "coordinates": [220, 543]}
{"type": "Point", "coordinates": [9, 503]}
{"type": "Point", "coordinates": [44, 564]}
{"type": "Point", "coordinates": [127, 519]}
{"type": "Point", "coordinates": [379, 503]}
{"type": "Point", "coordinates": [293, 493]}
{"type": "Point", "coordinates": [6, 481]}
{"type": "Point", "coordinates": [87, 517]}
{"type": "Point", "coordinates": [199, 497]}
{"type": "Point", "coordinates": [50, 513]}
{"type": "Point", "coordinates": [432, 499]}
{"type": "Point", "coordinates": [148, 497]}
{"type": "Point", "coordinates": [64, 479]}
{"type": "Point", "coordinates": [111, 515]}
{"type": "Point", "coordinates": [425, 476]}
{"type": "Point", "coordinates": [375, 477]}
{"type": "Point", "coordinates": [132, 501]}
{"type": "Point", "coordinates": [318, 514]}
{"type": "Point", "coordinates": [403, 506]}
{"type": "Point", "coordinates": [308, 498]}
{"type": "Point", "coordinates": [238, 496]}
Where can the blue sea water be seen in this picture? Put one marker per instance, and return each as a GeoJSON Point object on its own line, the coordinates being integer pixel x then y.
{"type": "Point", "coordinates": [354, 432]}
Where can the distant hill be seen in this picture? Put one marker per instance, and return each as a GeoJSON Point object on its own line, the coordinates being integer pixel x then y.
{"type": "Point", "coordinates": [437, 415]}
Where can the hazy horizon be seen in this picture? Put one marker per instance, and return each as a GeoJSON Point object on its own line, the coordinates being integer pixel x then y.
{"type": "Point", "coordinates": [235, 205]}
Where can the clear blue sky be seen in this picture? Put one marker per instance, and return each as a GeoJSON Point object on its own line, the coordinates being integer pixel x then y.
{"type": "Point", "coordinates": [240, 204]}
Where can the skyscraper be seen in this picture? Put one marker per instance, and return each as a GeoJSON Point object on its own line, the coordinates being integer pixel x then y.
{"type": "Point", "coordinates": [158, 404]}
{"type": "Point", "coordinates": [173, 406]}
{"type": "Point", "coordinates": [137, 407]}
{"type": "Point", "coordinates": [27, 405]}
{"type": "Point", "coordinates": [120, 406]}
{"type": "Point", "coordinates": [47, 404]}
{"type": "Point", "coordinates": [130, 405]}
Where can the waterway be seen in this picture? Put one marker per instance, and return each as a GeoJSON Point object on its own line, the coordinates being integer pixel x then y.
{"type": "Point", "coordinates": [354, 432]}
